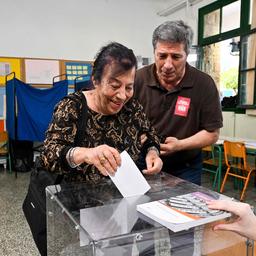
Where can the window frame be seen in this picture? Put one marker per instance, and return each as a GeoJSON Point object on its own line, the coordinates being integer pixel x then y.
{"type": "Point", "coordinates": [244, 70]}
{"type": "Point", "coordinates": [243, 30]}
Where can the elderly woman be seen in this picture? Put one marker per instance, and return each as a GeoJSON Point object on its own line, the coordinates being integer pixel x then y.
{"type": "Point", "coordinates": [115, 122]}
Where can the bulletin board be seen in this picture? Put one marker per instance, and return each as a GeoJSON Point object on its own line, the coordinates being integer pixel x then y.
{"type": "Point", "coordinates": [8, 65]}
{"type": "Point", "coordinates": [79, 70]}
{"type": "Point", "coordinates": [41, 71]}
{"type": "Point", "coordinates": [2, 103]}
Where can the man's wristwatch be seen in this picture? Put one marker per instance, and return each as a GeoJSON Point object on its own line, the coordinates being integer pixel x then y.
{"type": "Point", "coordinates": [153, 148]}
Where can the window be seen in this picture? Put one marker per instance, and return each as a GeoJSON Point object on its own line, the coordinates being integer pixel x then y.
{"type": "Point", "coordinates": [221, 61]}
{"type": "Point", "coordinates": [248, 71]}
{"type": "Point", "coordinates": [228, 44]}
{"type": "Point", "coordinates": [211, 23]}
{"type": "Point", "coordinates": [230, 16]}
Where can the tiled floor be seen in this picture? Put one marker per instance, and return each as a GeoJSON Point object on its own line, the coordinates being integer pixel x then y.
{"type": "Point", "coordinates": [15, 236]}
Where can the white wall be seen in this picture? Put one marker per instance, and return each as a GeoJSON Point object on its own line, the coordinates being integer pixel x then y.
{"type": "Point", "coordinates": [245, 126]}
{"type": "Point", "coordinates": [76, 29]}
{"type": "Point", "coordinates": [238, 125]}
{"type": "Point", "coordinates": [228, 128]}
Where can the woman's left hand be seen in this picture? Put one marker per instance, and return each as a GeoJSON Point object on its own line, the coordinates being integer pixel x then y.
{"type": "Point", "coordinates": [153, 162]}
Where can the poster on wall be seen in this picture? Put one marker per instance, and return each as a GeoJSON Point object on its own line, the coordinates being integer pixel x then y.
{"type": "Point", "coordinates": [79, 71]}
{"type": "Point", "coordinates": [8, 65]}
{"type": "Point", "coordinates": [2, 103]}
{"type": "Point", "coordinates": [41, 71]}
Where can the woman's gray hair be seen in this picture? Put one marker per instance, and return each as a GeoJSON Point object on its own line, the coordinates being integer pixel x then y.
{"type": "Point", "coordinates": [173, 32]}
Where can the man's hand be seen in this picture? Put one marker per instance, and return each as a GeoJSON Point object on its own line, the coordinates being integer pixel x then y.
{"type": "Point", "coordinates": [199, 140]}
{"type": "Point", "coordinates": [170, 145]}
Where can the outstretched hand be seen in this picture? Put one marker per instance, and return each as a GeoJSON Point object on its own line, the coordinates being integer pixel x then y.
{"type": "Point", "coordinates": [245, 221]}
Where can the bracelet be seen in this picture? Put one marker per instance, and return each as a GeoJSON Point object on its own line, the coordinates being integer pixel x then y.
{"type": "Point", "coordinates": [155, 149]}
{"type": "Point", "coordinates": [70, 157]}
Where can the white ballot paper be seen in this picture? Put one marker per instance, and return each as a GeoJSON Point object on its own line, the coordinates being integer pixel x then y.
{"type": "Point", "coordinates": [110, 220]}
{"type": "Point", "coordinates": [128, 178]}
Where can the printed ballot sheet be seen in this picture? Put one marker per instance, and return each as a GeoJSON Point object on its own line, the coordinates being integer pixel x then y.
{"type": "Point", "coordinates": [128, 178]}
{"type": "Point", "coordinates": [183, 212]}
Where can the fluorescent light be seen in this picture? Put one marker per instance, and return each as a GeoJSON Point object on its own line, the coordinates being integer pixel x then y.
{"type": "Point", "coordinates": [173, 8]}
{"type": "Point", "coordinates": [177, 6]}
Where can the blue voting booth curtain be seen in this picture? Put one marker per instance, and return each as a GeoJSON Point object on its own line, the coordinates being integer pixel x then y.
{"type": "Point", "coordinates": [61, 83]}
{"type": "Point", "coordinates": [35, 108]}
{"type": "Point", "coordinates": [84, 85]}
{"type": "Point", "coordinates": [10, 108]}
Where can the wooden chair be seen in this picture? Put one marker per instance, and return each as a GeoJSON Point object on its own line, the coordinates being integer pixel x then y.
{"type": "Point", "coordinates": [212, 162]}
{"type": "Point", "coordinates": [5, 156]}
{"type": "Point", "coordinates": [237, 165]}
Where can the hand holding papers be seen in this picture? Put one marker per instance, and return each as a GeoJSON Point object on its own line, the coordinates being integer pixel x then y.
{"type": "Point", "coordinates": [128, 178]}
{"type": "Point", "coordinates": [182, 212]}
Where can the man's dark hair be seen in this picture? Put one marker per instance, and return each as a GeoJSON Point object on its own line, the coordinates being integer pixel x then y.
{"type": "Point", "coordinates": [113, 53]}
{"type": "Point", "coordinates": [173, 32]}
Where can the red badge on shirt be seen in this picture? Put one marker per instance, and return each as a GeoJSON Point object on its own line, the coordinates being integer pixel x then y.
{"type": "Point", "coordinates": [182, 106]}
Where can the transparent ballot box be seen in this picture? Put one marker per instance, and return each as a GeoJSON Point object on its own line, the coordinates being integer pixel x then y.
{"type": "Point", "coordinates": [94, 219]}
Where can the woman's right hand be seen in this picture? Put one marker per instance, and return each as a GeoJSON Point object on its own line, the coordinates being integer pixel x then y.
{"type": "Point", "coordinates": [105, 158]}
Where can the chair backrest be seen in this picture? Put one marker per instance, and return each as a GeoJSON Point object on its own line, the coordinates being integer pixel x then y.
{"type": "Point", "coordinates": [210, 153]}
{"type": "Point", "coordinates": [3, 136]}
{"type": "Point", "coordinates": [235, 151]}
{"type": "Point", "coordinates": [207, 148]}
{"type": "Point", "coordinates": [3, 143]}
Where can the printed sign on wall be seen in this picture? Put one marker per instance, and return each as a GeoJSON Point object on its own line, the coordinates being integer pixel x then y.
{"type": "Point", "coordinates": [41, 71]}
{"type": "Point", "coordinates": [79, 71]}
{"type": "Point", "coordinates": [8, 65]}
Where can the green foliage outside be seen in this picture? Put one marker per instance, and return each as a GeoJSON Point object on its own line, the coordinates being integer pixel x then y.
{"type": "Point", "coordinates": [229, 79]}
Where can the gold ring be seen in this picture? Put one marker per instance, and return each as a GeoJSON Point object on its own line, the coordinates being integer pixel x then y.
{"type": "Point", "coordinates": [102, 160]}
